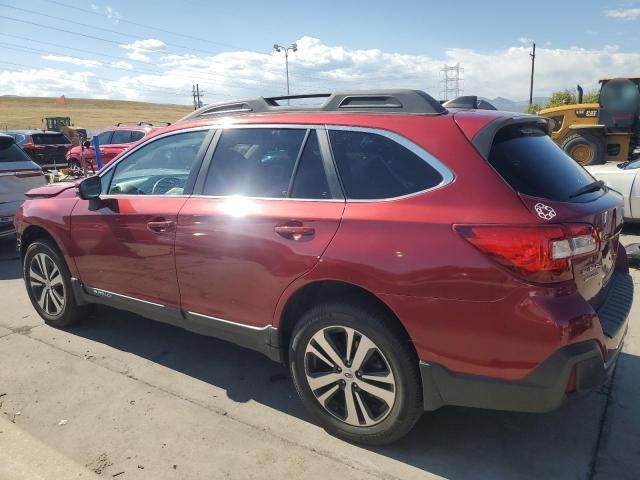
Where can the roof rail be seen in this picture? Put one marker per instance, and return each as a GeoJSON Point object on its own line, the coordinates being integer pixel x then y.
{"type": "Point", "coordinates": [363, 101]}
{"type": "Point", "coordinates": [150, 123]}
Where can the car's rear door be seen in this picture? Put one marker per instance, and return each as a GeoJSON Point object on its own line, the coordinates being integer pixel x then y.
{"type": "Point", "coordinates": [123, 243]}
{"type": "Point", "coordinates": [268, 205]}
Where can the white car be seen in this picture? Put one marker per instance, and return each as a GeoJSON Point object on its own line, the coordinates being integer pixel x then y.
{"type": "Point", "coordinates": [18, 175]}
{"type": "Point", "coordinates": [625, 178]}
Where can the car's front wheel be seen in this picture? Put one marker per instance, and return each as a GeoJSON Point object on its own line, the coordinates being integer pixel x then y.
{"type": "Point", "coordinates": [48, 284]}
{"type": "Point", "coordinates": [355, 373]}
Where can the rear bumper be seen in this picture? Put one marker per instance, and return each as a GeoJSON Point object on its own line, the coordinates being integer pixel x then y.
{"type": "Point", "coordinates": [545, 388]}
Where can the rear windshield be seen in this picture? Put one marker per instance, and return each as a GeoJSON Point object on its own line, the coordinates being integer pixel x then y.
{"type": "Point", "coordinates": [10, 152]}
{"type": "Point", "coordinates": [529, 161]}
{"type": "Point", "coordinates": [49, 139]}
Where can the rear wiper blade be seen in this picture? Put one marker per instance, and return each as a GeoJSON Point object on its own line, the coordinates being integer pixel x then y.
{"type": "Point", "coordinates": [592, 187]}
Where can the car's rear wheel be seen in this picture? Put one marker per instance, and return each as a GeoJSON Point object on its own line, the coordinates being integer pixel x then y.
{"type": "Point", "coordinates": [49, 285]}
{"type": "Point", "coordinates": [355, 373]}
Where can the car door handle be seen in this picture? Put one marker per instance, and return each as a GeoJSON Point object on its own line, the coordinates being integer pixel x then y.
{"type": "Point", "coordinates": [161, 226]}
{"type": "Point", "coordinates": [294, 232]}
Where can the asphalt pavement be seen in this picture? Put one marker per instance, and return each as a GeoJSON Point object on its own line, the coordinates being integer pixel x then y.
{"type": "Point", "coordinates": [123, 397]}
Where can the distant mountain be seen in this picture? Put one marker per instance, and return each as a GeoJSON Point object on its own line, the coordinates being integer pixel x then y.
{"type": "Point", "coordinates": [515, 106]}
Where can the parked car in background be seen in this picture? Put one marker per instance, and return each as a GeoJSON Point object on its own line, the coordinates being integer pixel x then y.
{"type": "Point", "coordinates": [18, 175]}
{"type": "Point", "coordinates": [113, 142]}
{"type": "Point", "coordinates": [46, 148]}
{"type": "Point", "coordinates": [396, 255]}
{"type": "Point", "coordinates": [625, 178]}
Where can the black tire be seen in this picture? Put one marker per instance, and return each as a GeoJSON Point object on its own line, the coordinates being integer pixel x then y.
{"type": "Point", "coordinates": [372, 322]}
{"type": "Point", "coordinates": [586, 148]}
{"type": "Point", "coordinates": [70, 312]}
{"type": "Point", "coordinates": [74, 164]}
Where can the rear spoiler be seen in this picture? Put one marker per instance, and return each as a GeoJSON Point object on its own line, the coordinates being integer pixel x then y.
{"type": "Point", "coordinates": [482, 139]}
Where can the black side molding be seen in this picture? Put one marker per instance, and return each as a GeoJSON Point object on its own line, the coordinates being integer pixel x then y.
{"type": "Point", "coordinates": [261, 339]}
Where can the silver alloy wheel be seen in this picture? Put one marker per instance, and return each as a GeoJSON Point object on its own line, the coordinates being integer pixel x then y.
{"type": "Point", "coordinates": [349, 376]}
{"type": "Point", "coordinates": [46, 284]}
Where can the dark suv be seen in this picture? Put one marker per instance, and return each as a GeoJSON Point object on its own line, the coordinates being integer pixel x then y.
{"type": "Point", "coordinates": [398, 256]}
{"type": "Point", "coordinates": [47, 149]}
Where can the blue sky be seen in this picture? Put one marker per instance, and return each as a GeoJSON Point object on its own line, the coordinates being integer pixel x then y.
{"type": "Point", "coordinates": [226, 46]}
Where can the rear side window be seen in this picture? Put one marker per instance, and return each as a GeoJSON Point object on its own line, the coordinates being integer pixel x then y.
{"type": "Point", "coordinates": [136, 135]}
{"type": "Point", "coordinates": [372, 166]}
{"type": "Point", "coordinates": [10, 152]}
{"type": "Point", "coordinates": [49, 139]}
{"type": "Point", "coordinates": [529, 161]}
{"type": "Point", "coordinates": [310, 179]}
{"type": "Point", "coordinates": [121, 136]}
{"type": "Point", "coordinates": [254, 162]}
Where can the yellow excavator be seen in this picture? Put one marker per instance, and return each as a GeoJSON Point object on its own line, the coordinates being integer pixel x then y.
{"type": "Point", "coordinates": [595, 133]}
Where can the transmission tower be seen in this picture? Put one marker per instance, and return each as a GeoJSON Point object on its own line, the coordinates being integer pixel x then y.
{"type": "Point", "coordinates": [452, 81]}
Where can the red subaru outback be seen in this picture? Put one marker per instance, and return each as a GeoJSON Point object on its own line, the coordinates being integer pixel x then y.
{"type": "Point", "coordinates": [396, 255]}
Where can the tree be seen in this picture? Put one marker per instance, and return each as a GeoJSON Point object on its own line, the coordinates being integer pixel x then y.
{"type": "Point", "coordinates": [534, 108]}
{"type": "Point", "coordinates": [592, 96]}
{"type": "Point", "coordinates": [563, 97]}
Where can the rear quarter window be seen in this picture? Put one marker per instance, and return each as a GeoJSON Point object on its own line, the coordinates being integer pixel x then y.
{"type": "Point", "coordinates": [10, 152]}
{"type": "Point", "coordinates": [528, 160]}
{"type": "Point", "coordinates": [373, 166]}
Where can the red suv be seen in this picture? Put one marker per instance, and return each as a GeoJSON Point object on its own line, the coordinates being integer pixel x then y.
{"type": "Point", "coordinates": [398, 256]}
{"type": "Point", "coordinates": [113, 142]}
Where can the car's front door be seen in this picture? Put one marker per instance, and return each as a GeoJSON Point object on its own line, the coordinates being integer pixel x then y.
{"type": "Point", "coordinates": [123, 243]}
{"type": "Point", "coordinates": [268, 208]}
{"type": "Point", "coordinates": [120, 140]}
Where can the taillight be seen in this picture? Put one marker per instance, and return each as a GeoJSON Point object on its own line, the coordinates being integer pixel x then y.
{"type": "Point", "coordinates": [538, 253]}
{"type": "Point", "coordinates": [32, 146]}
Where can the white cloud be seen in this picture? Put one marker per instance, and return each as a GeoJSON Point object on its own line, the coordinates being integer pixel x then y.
{"type": "Point", "coordinates": [47, 82]}
{"type": "Point", "coordinates": [123, 65]}
{"type": "Point", "coordinates": [525, 40]}
{"type": "Point", "coordinates": [112, 15]}
{"type": "Point", "coordinates": [318, 67]}
{"type": "Point", "coordinates": [73, 60]}
{"type": "Point", "coordinates": [624, 13]}
{"type": "Point", "coordinates": [140, 50]}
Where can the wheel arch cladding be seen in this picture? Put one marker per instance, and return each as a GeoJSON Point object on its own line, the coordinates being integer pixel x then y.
{"type": "Point", "coordinates": [33, 233]}
{"type": "Point", "coordinates": [324, 291]}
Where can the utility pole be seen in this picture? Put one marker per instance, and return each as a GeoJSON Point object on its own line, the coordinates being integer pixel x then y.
{"type": "Point", "coordinates": [533, 66]}
{"type": "Point", "coordinates": [195, 91]}
{"type": "Point", "coordinates": [279, 48]}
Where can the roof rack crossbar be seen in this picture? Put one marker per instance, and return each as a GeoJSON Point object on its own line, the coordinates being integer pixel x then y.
{"type": "Point", "coordinates": [362, 101]}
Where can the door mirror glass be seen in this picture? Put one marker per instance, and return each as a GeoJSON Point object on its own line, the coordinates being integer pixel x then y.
{"type": "Point", "coordinates": [90, 188]}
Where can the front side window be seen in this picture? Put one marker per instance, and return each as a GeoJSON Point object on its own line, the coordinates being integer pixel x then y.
{"type": "Point", "coordinates": [373, 166]}
{"type": "Point", "coordinates": [121, 136]}
{"type": "Point", "coordinates": [161, 167]}
{"type": "Point", "coordinates": [254, 162]}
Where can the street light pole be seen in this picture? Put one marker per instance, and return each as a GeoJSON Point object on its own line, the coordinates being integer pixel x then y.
{"type": "Point", "coordinates": [279, 48]}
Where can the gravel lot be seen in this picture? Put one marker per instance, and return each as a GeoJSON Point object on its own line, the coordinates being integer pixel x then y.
{"type": "Point", "coordinates": [134, 399]}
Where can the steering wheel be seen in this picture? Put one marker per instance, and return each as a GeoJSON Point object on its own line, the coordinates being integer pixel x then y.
{"type": "Point", "coordinates": [164, 184]}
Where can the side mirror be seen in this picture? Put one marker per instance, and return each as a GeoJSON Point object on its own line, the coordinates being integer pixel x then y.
{"type": "Point", "coordinates": [86, 144]}
{"type": "Point", "coordinates": [90, 188]}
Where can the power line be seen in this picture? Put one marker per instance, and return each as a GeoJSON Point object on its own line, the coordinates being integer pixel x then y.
{"type": "Point", "coordinates": [53, 17]}
{"type": "Point", "coordinates": [122, 20]}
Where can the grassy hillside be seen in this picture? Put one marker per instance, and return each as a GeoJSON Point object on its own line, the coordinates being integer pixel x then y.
{"type": "Point", "coordinates": [27, 112]}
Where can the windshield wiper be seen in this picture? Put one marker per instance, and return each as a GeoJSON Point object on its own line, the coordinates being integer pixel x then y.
{"type": "Point", "coordinates": [592, 187]}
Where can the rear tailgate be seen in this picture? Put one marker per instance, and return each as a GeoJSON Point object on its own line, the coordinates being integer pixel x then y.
{"type": "Point", "coordinates": [49, 149]}
{"type": "Point", "coordinates": [549, 184]}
